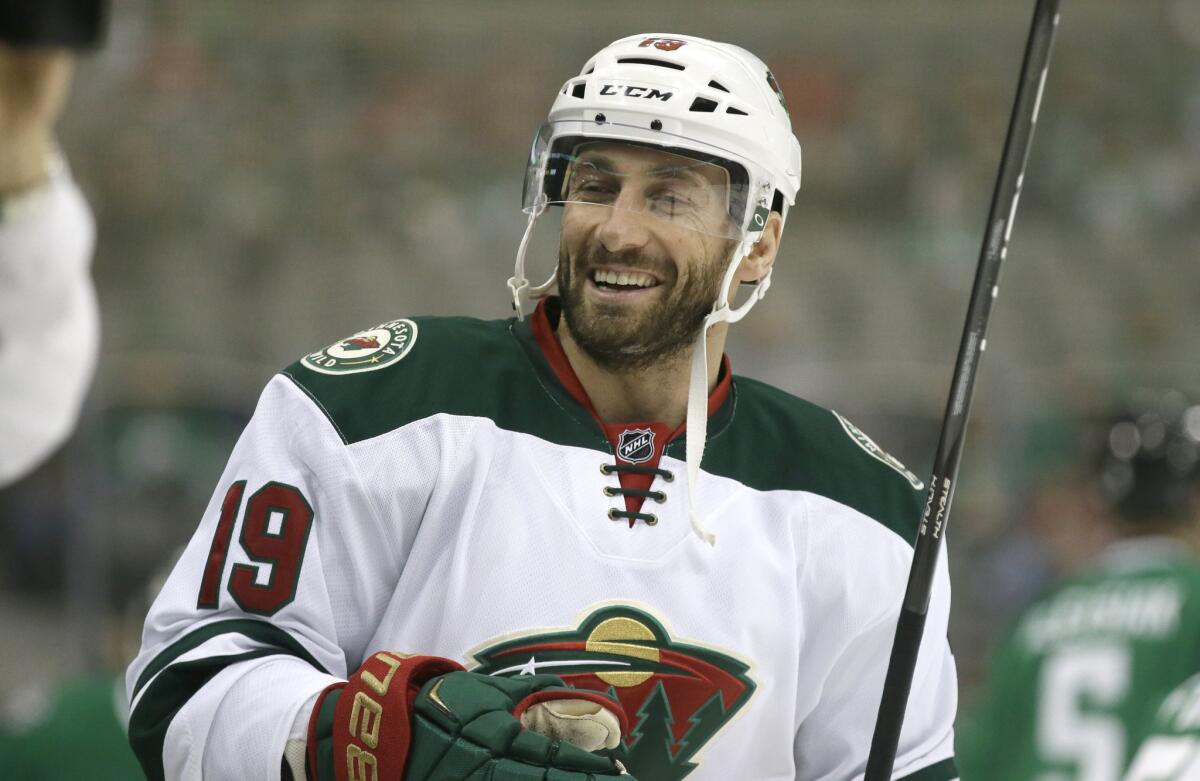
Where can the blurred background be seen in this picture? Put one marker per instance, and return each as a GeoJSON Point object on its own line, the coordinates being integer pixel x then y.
{"type": "Point", "coordinates": [268, 177]}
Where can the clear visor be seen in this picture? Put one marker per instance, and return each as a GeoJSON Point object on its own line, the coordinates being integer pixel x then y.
{"type": "Point", "coordinates": [642, 180]}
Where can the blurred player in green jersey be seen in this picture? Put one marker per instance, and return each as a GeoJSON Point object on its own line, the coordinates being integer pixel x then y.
{"type": "Point", "coordinates": [1082, 672]}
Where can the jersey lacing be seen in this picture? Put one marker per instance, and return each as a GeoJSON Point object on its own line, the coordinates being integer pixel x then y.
{"type": "Point", "coordinates": [616, 515]}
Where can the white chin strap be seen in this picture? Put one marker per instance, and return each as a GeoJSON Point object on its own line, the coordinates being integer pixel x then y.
{"type": "Point", "coordinates": [697, 410]}
{"type": "Point", "coordinates": [517, 283]}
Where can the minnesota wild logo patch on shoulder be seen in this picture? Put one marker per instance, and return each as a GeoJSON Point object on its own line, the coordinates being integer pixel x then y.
{"type": "Point", "coordinates": [366, 351]}
{"type": "Point", "coordinates": [875, 451]}
{"type": "Point", "coordinates": [677, 696]}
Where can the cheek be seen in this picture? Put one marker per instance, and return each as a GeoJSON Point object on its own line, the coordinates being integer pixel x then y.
{"type": "Point", "coordinates": [684, 246]}
{"type": "Point", "coordinates": [577, 220]}
{"type": "Point", "coordinates": [574, 234]}
{"type": "Point", "coordinates": [705, 258]}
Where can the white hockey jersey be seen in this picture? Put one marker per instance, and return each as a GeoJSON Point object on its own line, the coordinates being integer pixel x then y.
{"type": "Point", "coordinates": [439, 485]}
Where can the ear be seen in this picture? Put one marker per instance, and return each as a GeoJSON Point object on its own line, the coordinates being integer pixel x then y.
{"type": "Point", "coordinates": [762, 255]}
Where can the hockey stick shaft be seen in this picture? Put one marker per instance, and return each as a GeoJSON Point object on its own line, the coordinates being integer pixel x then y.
{"type": "Point", "coordinates": [927, 549]}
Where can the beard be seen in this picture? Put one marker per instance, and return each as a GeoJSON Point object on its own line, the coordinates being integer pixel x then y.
{"type": "Point", "coordinates": [622, 337]}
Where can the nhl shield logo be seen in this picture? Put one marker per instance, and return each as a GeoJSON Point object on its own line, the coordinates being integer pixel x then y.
{"type": "Point", "coordinates": [636, 445]}
{"type": "Point", "coordinates": [678, 696]}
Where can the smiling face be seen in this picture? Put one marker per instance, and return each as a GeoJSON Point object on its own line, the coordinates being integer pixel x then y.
{"type": "Point", "coordinates": [643, 251]}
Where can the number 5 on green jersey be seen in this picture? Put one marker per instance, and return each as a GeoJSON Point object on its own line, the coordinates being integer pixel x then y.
{"type": "Point", "coordinates": [1081, 686]}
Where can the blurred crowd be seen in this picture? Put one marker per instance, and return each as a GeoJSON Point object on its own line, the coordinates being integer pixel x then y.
{"type": "Point", "coordinates": [264, 181]}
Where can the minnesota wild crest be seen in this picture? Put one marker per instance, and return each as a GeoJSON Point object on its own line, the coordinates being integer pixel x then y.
{"type": "Point", "coordinates": [366, 351]}
{"type": "Point", "coordinates": [677, 696]}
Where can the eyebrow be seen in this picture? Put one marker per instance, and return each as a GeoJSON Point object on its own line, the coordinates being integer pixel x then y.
{"type": "Point", "coordinates": [606, 165]}
{"type": "Point", "coordinates": [680, 173]}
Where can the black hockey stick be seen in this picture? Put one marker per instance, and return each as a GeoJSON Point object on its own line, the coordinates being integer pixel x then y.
{"type": "Point", "coordinates": [954, 425]}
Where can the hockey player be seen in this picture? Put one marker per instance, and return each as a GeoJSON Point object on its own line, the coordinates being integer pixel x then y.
{"type": "Point", "coordinates": [1083, 670]}
{"type": "Point", "coordinates": [518, 498]}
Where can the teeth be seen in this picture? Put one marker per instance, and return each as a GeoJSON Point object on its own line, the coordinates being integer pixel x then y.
{"type": "Point", "coordinates": [624, 278]}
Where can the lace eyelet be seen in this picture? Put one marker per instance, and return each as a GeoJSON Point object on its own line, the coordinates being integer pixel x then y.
{"type": "Point", "coordinates": [610, 491]}
{"type": "Point", "coordinates": [659, 497]}
{"type": "Point", "coordinates": [612, 514]}
{"type": "Point", "coordinates": [606, 469]}
{"type": "Point", "coordinates": [652, 520]}
{"type": "Point", "coordinates": [669, 477]}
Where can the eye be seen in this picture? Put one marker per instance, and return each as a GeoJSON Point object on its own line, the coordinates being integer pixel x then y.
{"type": "Point", "coordinates": [673, 200]}
{"type": "Point", "coordinates": [591, 186]}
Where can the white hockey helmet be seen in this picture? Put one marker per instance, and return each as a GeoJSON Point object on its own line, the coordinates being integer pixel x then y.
{"type": "Point", "coordinates": [712, 103]}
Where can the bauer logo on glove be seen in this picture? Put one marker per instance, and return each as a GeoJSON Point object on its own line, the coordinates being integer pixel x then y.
{"type": "Point", "coordinates": [423, 717]}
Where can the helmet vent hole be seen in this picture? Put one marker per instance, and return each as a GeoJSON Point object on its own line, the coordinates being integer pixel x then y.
{"type": "Point", "coordinates": [589, 71]}
{"type": "Point", "coordinates": [656, 124]}
{"type": "Point", "coordinates": [703, 104]}
{"type": "Point", "coordinates": [651, 61]}
{"type": "Point", "coordinates": [718, 85]}
{"type": "Point", "coordinates": [732, 110]}
{"type": "Point", "coordinates": [578, 90]}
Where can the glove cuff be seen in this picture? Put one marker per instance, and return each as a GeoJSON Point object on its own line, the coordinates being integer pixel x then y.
{"type": "Point", "coordinates": [349, 738]}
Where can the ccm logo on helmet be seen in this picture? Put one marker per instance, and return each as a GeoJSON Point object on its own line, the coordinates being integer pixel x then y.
{"type": "Point", "coordinates": [631, 91]}
{"type": "Point", "coordinates": [662, 44]}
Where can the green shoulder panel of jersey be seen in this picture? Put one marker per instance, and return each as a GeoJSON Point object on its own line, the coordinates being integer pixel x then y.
{"type": "Point", "coordinates": [777, 441]}
{"type": "Point", "coordinates": [407, 370]}
{"type": "Point", "coordinates": [410, 369]}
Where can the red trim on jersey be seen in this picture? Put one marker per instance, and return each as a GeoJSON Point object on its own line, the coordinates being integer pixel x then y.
{"type": "Point", "coordinates": [547, 340]}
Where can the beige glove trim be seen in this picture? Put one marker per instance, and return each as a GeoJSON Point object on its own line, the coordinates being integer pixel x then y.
{"type": "Point", "coordinates": [584, 723]}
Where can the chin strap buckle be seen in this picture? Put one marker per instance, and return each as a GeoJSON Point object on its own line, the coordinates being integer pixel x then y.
{"type": "Point", "coordinates": [518, 285]}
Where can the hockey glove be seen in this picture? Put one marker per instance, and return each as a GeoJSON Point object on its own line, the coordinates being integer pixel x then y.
{"type": "Point", "coordinates": [422, 718]}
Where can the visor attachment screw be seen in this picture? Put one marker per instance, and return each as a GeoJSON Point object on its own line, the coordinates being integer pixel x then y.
{"type": "Point", "coordinates": [601, 119]}
{"type": "Point", "coordinates": [656, 124]}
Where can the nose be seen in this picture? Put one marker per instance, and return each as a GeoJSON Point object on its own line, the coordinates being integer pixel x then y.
{"type": "Point", "coordinates": [623, 227]}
